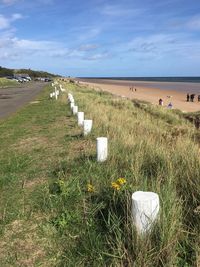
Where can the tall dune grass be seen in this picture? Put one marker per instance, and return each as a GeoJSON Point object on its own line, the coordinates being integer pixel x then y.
{"type": "Point", "coordinates": [154, 150]}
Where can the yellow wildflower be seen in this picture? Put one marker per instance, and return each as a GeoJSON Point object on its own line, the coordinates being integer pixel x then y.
{"type": "Point", "coordinates": [121, 181]}
{"type": "Point", "coordinates": [90, 188]}
{"type": "Point", "coordinates": [115, 186]}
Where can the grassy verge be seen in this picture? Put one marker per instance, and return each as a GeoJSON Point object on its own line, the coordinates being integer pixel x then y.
{"type": "Point", "coordinates": [49, 217]}
{"type": "Point", "coordinates": [6, 82]}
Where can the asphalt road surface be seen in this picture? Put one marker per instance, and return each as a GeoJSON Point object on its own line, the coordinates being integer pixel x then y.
{"type": "Point", "coordinates": [11, 99]}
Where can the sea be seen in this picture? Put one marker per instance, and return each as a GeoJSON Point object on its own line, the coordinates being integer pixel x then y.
{"type": "Point", "coordinates": [181, 84]}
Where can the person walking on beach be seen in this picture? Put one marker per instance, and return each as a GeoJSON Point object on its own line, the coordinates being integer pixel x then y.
{"type": "Point", "coordinates": [188, 97]}
{"type": "Point", "coordinates": [198, 98]}
{"type": "Point", "coordinates": [192, 97]}
{"type": "Point", "coordinates": [170, 106]}
{"type": "Point", "coordinates": [160, 102]}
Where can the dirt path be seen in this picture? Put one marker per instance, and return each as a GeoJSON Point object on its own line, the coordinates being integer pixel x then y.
{"type": "Point", "coordinates": [11, 99]}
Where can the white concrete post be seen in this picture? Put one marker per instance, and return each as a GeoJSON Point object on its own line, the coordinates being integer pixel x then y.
{"type": "Point", "coordinates": [71, 106]}
{"type": "Point", "coordinates": [102, 148]}
{"type": "Point", "coordinates": [80, 118]}
{"type": "Point", "coordinates": [55, 93]}
{"type": "Point", "coordinates": [87, 126]}
{"type": "Point", "coordinates": [71, 100]}
{"type": "Point", "coordinates": [75, 110]}
{"type": "Point", "coordinates": [145, 208]}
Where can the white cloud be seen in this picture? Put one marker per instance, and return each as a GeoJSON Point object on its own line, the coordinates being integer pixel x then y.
{"type": "Point", "coordinates": [9, 56]}
{"type": "Point", "coordinates": [59, 53]}
{"type": "Point", "coordinates": [24, 47]}
{"type": "Point", "coordinates": [183, 24]}
{"type": "Point", "coordinates": [153, 44]}
{"type": "Point", "coordinates": [46, 2]}
{"type": "Point", "coordinates": [88, 47]}
{"type": "Point", "coordinates": [98, 56]}
{"type": "Point", "coordinates": [89, 33]}
{"type": "Point", "coordinates": [5, 22]}
{"type": "Point", "coordinates": [162, 45]}
{"type": "Point", "coordinates": [194, 23]}
{"type": "Point", "coordinates": [33, 45]}
{"type": "Point", "coordinates": [9, 2]}
{"type": "Point", "coordinates": [119, 10]}
{"type": "Point", "coordinates": [16, 16]}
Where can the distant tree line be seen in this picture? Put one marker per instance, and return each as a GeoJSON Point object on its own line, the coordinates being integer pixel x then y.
{"type": "Point", "coordinates": [5, 72]}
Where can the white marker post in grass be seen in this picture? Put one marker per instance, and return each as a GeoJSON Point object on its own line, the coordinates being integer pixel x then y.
{"type": "Point", "coordinates": [71, 106]}
{"type": "Point", "coordinates": [75, 110]}
{"type": "Point", "coordinates": [80, 118]}
{"type": "Point", "coordinates": [55, 93]}
{"type": "Point", "coordinates": [71, 100]}
{"type": "Point", "coordinates": [102, 148]}
{"type": "Point", "coordinates": [87, 127]}
{"type": "Point", "coordinates": [69, 95]}
{"type": "Point", "coordinates": [145, 209]}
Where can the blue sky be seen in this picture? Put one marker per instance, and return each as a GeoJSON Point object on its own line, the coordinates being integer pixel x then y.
{"type": "Point", "coordinates": [102, 38]}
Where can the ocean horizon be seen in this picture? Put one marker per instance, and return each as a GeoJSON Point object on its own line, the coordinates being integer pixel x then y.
{"type": "Point", "coordinates": [180, 84]}
{"type": "Point", "coordinates": [184, 79]}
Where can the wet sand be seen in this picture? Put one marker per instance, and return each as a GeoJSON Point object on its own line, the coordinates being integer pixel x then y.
{"type": "Point", "coordinates": [150, 91]}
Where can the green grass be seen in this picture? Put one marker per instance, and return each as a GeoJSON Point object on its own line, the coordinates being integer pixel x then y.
{"type": "Point", "coordinates": [6, 82]}
{"type": "Point", "coordinates": [47, 215]}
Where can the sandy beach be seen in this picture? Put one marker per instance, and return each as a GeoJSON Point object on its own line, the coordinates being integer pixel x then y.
{"type": "Point", "coordinates": [150, 94]}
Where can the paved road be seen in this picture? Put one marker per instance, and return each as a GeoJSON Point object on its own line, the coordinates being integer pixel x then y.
{"type": "Point", "coordinates": [11, 99]}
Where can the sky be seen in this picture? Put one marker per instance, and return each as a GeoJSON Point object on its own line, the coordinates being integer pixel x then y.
{"type": "Point", "coordinates": [102, 38]}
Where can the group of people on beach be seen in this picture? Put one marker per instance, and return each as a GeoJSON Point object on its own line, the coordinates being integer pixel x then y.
{"type": "Point", "coordinates": [190, 98]}
{"type": "Point", "coordinates": [133, 89]}
{"type": "Point", "coordinates": [161, 103]}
